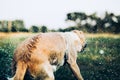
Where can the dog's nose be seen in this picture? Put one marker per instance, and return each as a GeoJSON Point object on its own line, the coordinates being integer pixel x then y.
{"type": "Point", "coordinates": [85, 45]}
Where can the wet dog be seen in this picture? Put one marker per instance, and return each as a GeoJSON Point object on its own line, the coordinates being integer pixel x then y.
{"type": "Point", "coordinates": [42, 54]}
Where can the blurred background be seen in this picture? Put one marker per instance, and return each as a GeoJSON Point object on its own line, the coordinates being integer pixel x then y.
{"type": "Point", "coordinates": [100, 20]}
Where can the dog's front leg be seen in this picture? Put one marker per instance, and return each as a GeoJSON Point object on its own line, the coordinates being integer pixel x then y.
{"type": "Point", "coordinates": [75, 69]}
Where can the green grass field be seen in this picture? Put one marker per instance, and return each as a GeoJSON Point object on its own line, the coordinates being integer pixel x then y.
{"type": "Point", "coordinates": [99, 61]}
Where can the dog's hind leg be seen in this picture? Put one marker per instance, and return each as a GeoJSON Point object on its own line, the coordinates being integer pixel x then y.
{"type": "Point", "coordinates": [20, 71]}
{"type": "Point", "coordinates": [48, 70]}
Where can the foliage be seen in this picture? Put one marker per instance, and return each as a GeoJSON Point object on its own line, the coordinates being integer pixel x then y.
{"type": "Point", "coordinates": [99, 61]}
{"type": "Point", "coordinates": [68, 29]}
{"type": "Point", "coordinates": [34, 29]}
{"type": "Point", "coordinates": [12, 26]}
{"type": "Point", "coordinates": [43, 29]}
{"type": "Point", "coordinates": [7, 46]}
{"type": "Point", "coordinates": [93, 24]}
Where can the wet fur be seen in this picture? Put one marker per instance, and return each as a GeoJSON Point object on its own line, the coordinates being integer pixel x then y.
{"type": "Point", "coordinates": [26, 48]}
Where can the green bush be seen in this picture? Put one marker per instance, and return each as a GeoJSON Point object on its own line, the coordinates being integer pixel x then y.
{"type": "Point", "coordinates": [7, 46]}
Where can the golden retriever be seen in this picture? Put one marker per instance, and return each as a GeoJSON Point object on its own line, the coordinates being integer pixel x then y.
{"type": "Point", "coordinates": [42, 54]}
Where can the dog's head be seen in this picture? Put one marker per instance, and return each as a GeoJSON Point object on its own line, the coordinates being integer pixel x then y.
{"type": "Point", "coordinates": [82, 38]}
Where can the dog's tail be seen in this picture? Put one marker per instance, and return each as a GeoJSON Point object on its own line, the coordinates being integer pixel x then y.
{"type": "Point", "coordinates": [19, 70]}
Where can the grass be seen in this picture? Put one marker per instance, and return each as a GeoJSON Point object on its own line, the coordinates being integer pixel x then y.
{"type": "Point", "coordinates": [101, 65]}
{"type": "Point", "coordinates": [99, 61]}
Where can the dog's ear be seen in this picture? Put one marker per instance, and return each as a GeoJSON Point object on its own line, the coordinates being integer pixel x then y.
{"type": "Point", "coordinates": [81, 35]}
{"type": "Point", "coordinates": [81, 32]}
{"type": "Point", "coordinates": [78, 32]}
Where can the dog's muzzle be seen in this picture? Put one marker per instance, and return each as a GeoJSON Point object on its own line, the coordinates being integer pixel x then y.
{"type": "Point", "coordinates": [84, 47]}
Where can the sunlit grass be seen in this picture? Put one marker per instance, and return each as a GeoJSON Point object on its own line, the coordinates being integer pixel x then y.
{"type": "Point", "coordinates": [15, 35]}
{"type": "Point", "coordinates": [104, 35]}
{"type": "Point", "coordinates": [88, 35]}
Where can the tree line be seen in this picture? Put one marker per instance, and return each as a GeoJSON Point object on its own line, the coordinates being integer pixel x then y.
{"type": "Point", "coordinates": [110, 23]}
{"type": "Point", "coordinates": [12, 26]}
{"type": "Point", "coordinates": [18, 26]}
{"type": "Point", "coordinates": [92, 23]}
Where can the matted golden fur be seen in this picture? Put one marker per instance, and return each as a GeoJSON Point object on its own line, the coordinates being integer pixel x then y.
{"type": "Point", "coordinates": [44, 53]}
